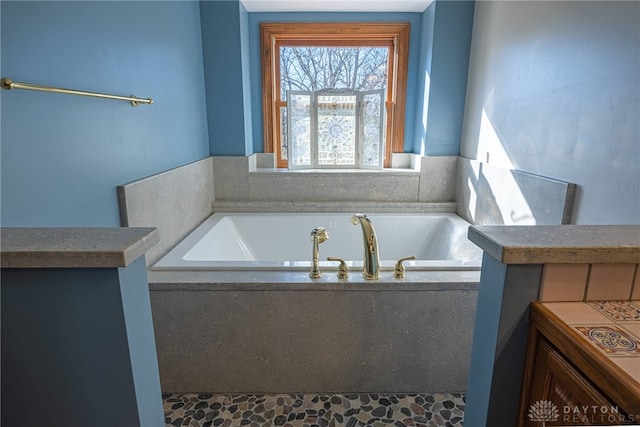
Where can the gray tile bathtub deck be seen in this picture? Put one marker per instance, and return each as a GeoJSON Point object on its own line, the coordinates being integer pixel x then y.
{"type": "Point", "coordinates": [311, 410]}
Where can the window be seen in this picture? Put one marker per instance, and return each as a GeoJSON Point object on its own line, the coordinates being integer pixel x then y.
{"type": "Point", "coordinates": [289, 47]}
{"type": "Point", "coordinates": [335, 128]}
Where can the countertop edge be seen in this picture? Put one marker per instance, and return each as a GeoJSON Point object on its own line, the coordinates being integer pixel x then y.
{"type": "Point", "coordinates": [74, 247]}
{"type": "Point", "coordinates": [561, 244]}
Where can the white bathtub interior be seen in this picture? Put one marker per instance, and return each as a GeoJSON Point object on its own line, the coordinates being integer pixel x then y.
{"type": "Point", "coordinates": [280, 241]}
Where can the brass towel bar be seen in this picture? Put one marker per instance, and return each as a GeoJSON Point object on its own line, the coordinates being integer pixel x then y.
{"type": "Point", "coordinates": [9, 84]}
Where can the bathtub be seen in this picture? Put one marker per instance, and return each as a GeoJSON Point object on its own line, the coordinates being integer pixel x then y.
{"type": "Point", "coordinates": [235, 311]}
{"type": "Point", "coordinates": [281, 242]}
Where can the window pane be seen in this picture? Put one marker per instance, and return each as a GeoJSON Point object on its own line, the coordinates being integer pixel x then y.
{"type": "Point", "coordinates": [312, 68]}
{"type": "Point", "coordinates": [300, 129]}
{"type": "Point", "coordinates": [284, 138]}
{"type": "Point", "coordinates": [336, 130]}
{"type": "Point", "coordinates": [372, 128]}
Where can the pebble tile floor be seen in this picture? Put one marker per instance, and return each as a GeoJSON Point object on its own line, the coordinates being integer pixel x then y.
{"type": "Point", "coordinates": [314, 410]}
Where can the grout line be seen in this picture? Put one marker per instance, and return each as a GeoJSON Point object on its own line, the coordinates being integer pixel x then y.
{"type": "Point", "coordinates": [586, 285]}
{"type": "Point", "coordinates": [633, 282]}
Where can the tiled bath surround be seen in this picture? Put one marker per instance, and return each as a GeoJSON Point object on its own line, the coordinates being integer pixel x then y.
{"type": "Point", "coordinates": [178, 200]}
{"type": "Point", "coordinates": [412, 179]}
{"type": "Point", "coordinates": [175, 202]}
{"type": "Point", "coordinates": [235, 332]}
{"type": "Point", "coordinates": [310, 338]}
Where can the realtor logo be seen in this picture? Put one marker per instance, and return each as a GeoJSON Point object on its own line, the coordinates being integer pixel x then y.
{"type": "Point", "coordinates": [543, 411]}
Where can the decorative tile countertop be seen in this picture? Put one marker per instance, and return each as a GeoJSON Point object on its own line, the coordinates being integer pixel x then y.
{"type": "Point", "coordinates": [612, 327]}
{"type": "Point", "coordinates": [74, 247]}
{"type": "Point", "coordinates": [559, 244]}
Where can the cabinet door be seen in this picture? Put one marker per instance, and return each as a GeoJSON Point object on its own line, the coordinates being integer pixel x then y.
{"type": "Point", "coordinates": [560, 395]}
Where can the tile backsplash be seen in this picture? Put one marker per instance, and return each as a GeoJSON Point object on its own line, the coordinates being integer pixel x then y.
{"type": "Point", "coordinates": [564, 282]}
{"type": "Point", "coordinates": [588, 282]}
{"type": "Point", "coordinates": [610, 281]}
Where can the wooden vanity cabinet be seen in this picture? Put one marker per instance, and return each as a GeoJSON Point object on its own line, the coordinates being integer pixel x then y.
{"type": "Point", "coordinates": [556, 380]}
{"type": "Point", "coordinates": [564, 369]}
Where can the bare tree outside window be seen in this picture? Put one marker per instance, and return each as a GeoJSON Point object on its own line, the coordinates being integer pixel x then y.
{"type": "Point", "coordinates": [314, 68]}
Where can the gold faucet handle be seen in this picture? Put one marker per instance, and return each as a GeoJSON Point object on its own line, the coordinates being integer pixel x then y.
{"type": "Point", "coordinates": [343, 269]}
{"type": "Point", "coordinates": [398, 271]}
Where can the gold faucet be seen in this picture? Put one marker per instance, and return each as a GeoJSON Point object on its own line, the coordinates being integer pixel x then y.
{"type": "Point", "coordinates": [371, 267]}
{"type": "Point", "coordinates": [398, 271]}
{"type": "Point", "coordinates": [343, 269]}
{"type": "Point", "coordinates": [318, 235]}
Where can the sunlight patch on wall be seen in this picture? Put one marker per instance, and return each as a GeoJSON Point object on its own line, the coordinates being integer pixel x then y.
{"type": "Point", "coordinates": [473, 188]}
{"type": "Point", "coordinates": [490, 146]}
{"type": "Point", "coordinates": [496, 188]}
{"type": "Point", "coordinates": [425, 111]}
{"type": "Point", "coordinates": [509, 199]}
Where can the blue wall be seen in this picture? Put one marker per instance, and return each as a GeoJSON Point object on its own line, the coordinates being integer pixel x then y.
{"type": "Point", "coordinates": [446, 42]}
{"type": "Point", "coordinates": [225, 60]}
{"type": "Point", "coordinates": [62, 155]}
{"type": "Point", "coordinates": [423, 84]}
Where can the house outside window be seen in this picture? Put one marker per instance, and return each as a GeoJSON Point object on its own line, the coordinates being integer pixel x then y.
{"type": "Point", "coordinates": [342, 85]}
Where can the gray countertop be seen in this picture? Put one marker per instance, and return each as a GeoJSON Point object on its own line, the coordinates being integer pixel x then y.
{"type": "Point", "coordinates": [559, 243]}
{"type": "Point", "coordinates": [94, 247]}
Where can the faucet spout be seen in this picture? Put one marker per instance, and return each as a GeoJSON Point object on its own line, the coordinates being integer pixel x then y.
{"type": "Point", "coordinates": [371, 267]}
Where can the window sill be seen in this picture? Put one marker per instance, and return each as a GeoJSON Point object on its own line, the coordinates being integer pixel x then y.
{"type": "Point", "coordinates": [346, 172]}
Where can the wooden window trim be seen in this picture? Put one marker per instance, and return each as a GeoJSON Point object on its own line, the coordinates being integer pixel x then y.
{"type": "Point", "coordinates": [395, 35]}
